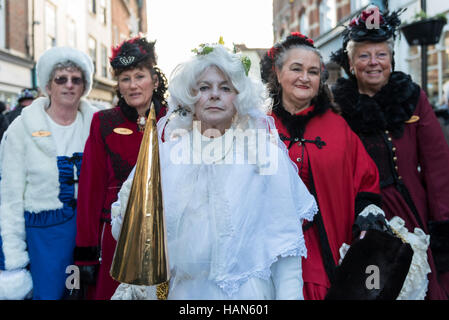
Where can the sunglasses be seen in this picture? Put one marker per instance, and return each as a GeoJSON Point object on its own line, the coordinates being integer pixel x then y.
{"type": "Point", "coordinates": [63, 80]}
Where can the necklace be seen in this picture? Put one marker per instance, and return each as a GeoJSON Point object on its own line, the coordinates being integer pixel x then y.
{"type": "Point", "coordinates": [141, 121]}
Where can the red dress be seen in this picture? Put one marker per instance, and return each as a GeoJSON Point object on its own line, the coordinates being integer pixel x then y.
{"type": "Point", "coordinates": [109, 156]}
{"type": "Point", "coordinates": [401, 133]}
{"type": "Point", "coordinates": [422, 145]}
{"type": "Point", "coordinates": [342, 170]}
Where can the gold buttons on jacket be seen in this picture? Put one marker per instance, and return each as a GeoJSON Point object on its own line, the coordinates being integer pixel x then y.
{"type": "Point", "coordinates": [395, 157]}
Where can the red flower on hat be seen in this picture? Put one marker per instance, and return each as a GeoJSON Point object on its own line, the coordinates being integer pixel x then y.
{"type": "Point", "coordinates": [116, 51]}
{"type": "Point", "coordinates": [298, 34]}
{"type": "Point", "coordinates": [272, 52]}
{"type": "Point", "coordinates": [354, 22]}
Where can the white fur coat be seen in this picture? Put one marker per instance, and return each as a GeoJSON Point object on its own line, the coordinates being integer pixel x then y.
{"type": "Point", "coordinates": [29, 178]}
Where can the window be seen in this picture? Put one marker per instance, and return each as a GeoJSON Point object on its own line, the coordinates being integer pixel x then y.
{"type": "Point", "coordinates": [93, 6]}
{"type": "Point", "coordinates": [50, 25]}
{"type": "Point", "coordinates": [2, 24]}
{"type": "Point", "coordinates": [327, 15]}
{"type": "Point", "coordinates": [103, 12]}
{"type": "Point", "coordinates": [71, 33]}
{"type": "Point", "coordinates": [104, 61]}
{"type": "Point", "coordinates": [358, 4]}
{"type": "Point", "coordinates": [437, 68]}
{"type": "Point", "coordinates": [304, 23]}
{"type": "Point", "coordinates": [92, 45]}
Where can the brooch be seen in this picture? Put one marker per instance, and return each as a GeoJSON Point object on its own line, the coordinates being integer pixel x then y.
{"type": "Point", "coordinates": [412, 119]}
{"type": "Point", "coordinates": [41, 133]}
{"type": "Point", "coordinates": [123, 131]}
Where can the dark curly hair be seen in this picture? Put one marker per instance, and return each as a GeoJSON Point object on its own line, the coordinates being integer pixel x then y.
{"type": "Point", "coordinates": [275, 57]}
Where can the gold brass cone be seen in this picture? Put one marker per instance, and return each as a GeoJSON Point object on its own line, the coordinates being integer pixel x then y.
{"type": "Point", "coordinates": [140, 256]}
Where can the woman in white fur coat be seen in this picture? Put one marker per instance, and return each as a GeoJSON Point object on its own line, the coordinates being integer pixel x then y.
{"type": "Point", "coordinates": [40, 163]}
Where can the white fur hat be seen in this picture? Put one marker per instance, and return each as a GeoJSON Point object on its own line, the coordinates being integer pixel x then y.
{"type": "Point", "coordinates": [56, 55]}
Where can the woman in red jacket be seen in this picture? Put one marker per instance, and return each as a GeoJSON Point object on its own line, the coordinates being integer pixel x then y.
{"type": "Point", "coordinates": [110, 154]}
{"type": "Point", "coordinates": [345, 179]}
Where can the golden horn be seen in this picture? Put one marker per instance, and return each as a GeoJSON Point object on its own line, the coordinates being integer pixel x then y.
{"type": "Point", "coordinates": [140, 256]}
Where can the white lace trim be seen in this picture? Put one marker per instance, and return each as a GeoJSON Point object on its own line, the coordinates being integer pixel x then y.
{"type": "Point", "coordinates": [416, 282]}
{"type": "Point", "coordinates": [230, 287]}
{"type": "Point", "coordinates": [372, 208]}
{"type": "Point", "coordinates": [127, 291]}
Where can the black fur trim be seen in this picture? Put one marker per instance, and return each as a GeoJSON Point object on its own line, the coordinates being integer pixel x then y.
{"type": "Point", "coordinates": [388, 109]}
{"type": "Point", "coordinates": [354, 281]}
{"type": "Point", "coordinates": [296, 124]}
{"type": "Point", "coordinates": [87, 253]}
{"type": "Point", "coordinates": [364, 199]}
{"type": "Point", "coordinates": [131, 113]}
{"type": "Point", "coordinates": [439, 243]}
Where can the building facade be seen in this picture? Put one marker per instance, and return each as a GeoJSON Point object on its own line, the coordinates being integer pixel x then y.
{"type": "Point", "coordinates": [16, 63]}
{"type": "Point", "coordinates": [409, 57]}
{"type": "Point", "coordinates": [29, 27]}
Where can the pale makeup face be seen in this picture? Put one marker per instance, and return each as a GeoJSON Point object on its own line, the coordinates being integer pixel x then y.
{"type": "Point", "coordinates": [137, 86]}
{"type": "Point", "coordinates": [69, 93]}
{"type": "Point", "coordinates": [215, 107]}
{"type": "Point", "coordinates": [299, 78]}
{"type": "Point", "coordinates": [371, 63]}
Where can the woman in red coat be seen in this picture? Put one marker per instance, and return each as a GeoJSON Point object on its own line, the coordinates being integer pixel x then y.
{"type": "Point", "coordinates": [345, 179]}
{"type": "Point", "coordinates": [393, 117]}
{"type": "Point", "coordinates": [110, 154]}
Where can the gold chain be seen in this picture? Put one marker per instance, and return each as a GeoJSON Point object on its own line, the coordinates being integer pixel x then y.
{"type": "Point", "coordinates": [162, 291]}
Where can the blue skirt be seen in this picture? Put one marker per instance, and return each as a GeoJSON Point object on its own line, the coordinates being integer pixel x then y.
{"type": "Point", "coordinates": [50, 237]}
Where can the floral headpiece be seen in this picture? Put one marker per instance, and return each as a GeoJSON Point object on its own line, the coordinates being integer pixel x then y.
{"type": "Point", "coordinates": [130, 52]}
{"type": "Point", "coordinates": [205, 48]}
{"type": "Point", "coordinates": [370, 25]}
{"type": "Point", "coordinates": [268, 61]}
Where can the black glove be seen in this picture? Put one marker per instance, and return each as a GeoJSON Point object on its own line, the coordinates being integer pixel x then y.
{"type": "Point", "coordinates": [371, 221]}
{"type": "Point", "coordinates": [88, 277]}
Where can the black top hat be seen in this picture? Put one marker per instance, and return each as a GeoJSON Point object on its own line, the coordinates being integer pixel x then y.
{"type": "Point", "coordinates": [370, 25]}
{"type": "Point", "coordinates": [131, 52]}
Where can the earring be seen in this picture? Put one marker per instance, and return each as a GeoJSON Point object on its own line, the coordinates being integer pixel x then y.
{"type": "Point", "coordinates": [352, 72]}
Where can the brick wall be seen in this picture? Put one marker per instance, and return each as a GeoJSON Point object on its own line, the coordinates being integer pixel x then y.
{"type": "Point", "coordinates": [120, 18]}
{"type": "Point", "coordinates": [343, 9]}
{"type": "Point", "coordinates": [17, 26]}
{"type": "Point", "coordinates": [286, 16]}
{"type": "Point", "coordinates": [119, 21]}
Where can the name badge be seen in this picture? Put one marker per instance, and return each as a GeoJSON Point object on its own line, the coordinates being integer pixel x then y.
{"type": "Point", "coordinates": [41, 133]}
{"type": "Point", "coordinates": [412, 119]}
{"type": "Point", "coordinates": [123, 131]}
